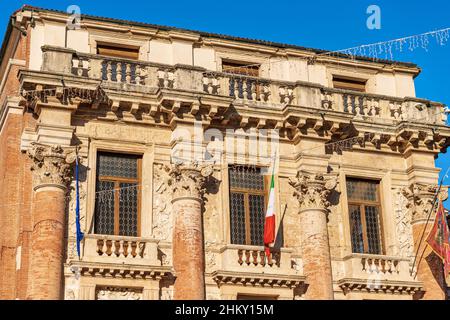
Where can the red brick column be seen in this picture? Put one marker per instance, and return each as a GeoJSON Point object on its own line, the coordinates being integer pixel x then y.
{"type": "Point", "coordinates": [312, 192]}
{"type": "Point", "coordinates": [187, 182]}
{"type": "Point", "coordinates": [51, 173]}
{"type": "Point", "coordinates": [429, 268]}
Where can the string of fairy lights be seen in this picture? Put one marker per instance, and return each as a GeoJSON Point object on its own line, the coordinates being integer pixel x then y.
{"type": "Point", "coordinates": [378, 51]}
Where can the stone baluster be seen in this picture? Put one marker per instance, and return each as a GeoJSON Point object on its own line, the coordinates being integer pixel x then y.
{"type": "Point", "coordinates": [245, 89]}
{"type": "Point", "coordinates": [108, 71]}
{"type": "Point", "coordinates": [253, 86]}
{"type": "Point", "coordinates": [119, 67]}
{"type": "Point", "coordinates": [312, 192]}
{"type": "Point", "coordinates": [236, 87]}
{"type": "Point", "coordinates": [52, 169]}
{"type": "Point", "coordinates": [128, 73]}
{"type": "Point", "coordinates": [188, 182]}
{"type": "Point", "coordinates": [429, 268]}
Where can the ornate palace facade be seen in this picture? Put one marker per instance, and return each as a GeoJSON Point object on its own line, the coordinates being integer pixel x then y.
{"type": "Point", "coordinates": [355, 174]}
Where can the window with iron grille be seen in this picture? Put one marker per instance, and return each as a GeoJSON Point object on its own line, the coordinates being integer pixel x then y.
{"type": "Point", "coordinates": [365, 216]}
{"type": "Point", "coordinates": [247, 205]}
{"type": "Point", "coordinates": [117, 199]}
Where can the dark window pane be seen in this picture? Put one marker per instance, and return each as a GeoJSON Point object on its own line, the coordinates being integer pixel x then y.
{"type": "Point", "coordinates": [257, 215]}
{"type": "Point", "coordinates": [362, 190]}
{"type": "Point", "coordinates": [356, 229]}
{"type": "Point", "coordinates": [246, 178]}
{"type": "Point", "coordinates": [104, 208]}
{"type": "Point", "coordinates": [237, 218]}
{"type": "Point", "coordinates": [373, 230]}
{"type": "Point", "coordinates": [128, 210]}
{"type": "Point", "coordinates": [117, 165]}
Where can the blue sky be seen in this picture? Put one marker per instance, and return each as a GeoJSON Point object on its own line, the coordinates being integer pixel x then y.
{"type": "Point", "coordinates": [330, 25]}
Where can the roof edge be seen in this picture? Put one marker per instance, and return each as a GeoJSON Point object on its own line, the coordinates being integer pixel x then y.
{"type": "Point", "coordinates": [221, 36]}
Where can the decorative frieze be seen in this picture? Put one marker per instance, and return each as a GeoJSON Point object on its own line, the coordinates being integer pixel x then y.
{"type": "Point", "coordinates": [52, 165]}
{"type": "Point", "coordinates": [118, 293]}
{"type": "Point", "coordinates": [313, 190]}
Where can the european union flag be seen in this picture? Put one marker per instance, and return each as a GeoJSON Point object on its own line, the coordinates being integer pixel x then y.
{"type": "Point", "coordinates": [80, 234]}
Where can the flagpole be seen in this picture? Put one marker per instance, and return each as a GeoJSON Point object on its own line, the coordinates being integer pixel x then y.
{"type": "Point", "coordinates": [79, 234]}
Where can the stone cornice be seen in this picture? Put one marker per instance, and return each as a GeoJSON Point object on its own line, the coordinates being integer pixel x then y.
{"type": "Point", "coordinates": [380, 286]}
{"type": "Point", "coordinates": [119, 270]}
{"type": "Point", "coordinates": [222, 277]}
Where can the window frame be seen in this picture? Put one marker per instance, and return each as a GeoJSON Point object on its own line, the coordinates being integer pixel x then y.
{"type": "Point", "coordinates": [241, 65]}
{"type": "Point", "coordinates": [112, 47]}
{"type": "Point", "coordinates": [362, 207]}
{"type": "Point", "coordinates": [352, 83]}
{"type": "Point", "coordinates": [117, 181]}
{"type": "Point", "coordinates": [246, 192]}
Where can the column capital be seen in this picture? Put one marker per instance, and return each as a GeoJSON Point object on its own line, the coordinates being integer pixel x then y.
{"type": "Point", "coordinates": [313, 189]}
{"type": "Point", "coordinates": [420, 198]}
{"type": "Point", "coordinates": [52, 165]}
{"type": "Point", "coordinates": [188, 179]}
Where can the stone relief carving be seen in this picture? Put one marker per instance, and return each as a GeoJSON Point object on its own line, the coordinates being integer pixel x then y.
{"type": "Point", "coordinates": [118, 293]}
{"type": "Point", "coordinates": [403, 228]}
{"type": "Point", "coordinates": [166, 293]}
{"type": "Point", "coordinates": [313, 190]}
{"type": "Point", "coordinates": [120, 132]}
{"type": "Point", "coordinates": [420, 199]}
{"type": "Point", "coordinates": [189, 179]}
{"type": "Point", "coordinates": [73, 284]}
{"type": "Point", "coordinates": [211, 222]}
{"type": "Point", "coordinates": [210, 256]}
{"type": "Point", "coordinates": [162, 204]}
{"type": "Point", "coordinates": [52, 165]}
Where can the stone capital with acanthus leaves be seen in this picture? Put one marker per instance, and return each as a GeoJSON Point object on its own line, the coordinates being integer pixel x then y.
{"type": "Point", "coordinates": [313, 190]}
{"type": "Point", "coordinates": [52, 164]}
{"type": "Point", "coordinates": [188, 180]}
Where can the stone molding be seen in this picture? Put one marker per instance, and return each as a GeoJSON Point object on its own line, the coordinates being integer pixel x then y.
{"type": "Point", "coordinates": [188, 180]}
{"type": "Point", "coordinates": [52, 165]}
{"type": "Point", "coordinates": [313, 190]}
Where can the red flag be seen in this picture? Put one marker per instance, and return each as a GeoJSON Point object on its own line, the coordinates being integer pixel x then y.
{"type": "Point", "coordinates": [438, 239]}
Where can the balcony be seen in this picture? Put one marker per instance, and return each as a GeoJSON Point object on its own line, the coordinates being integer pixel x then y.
{"type": "Point", "coordinates": [248, 265]}
{"type": "Point", "coordinates": [376, 273]}
{"type": "Point", "coordinates": [120, 255]}
{"type": "Point", "coordinates": [219, 89]}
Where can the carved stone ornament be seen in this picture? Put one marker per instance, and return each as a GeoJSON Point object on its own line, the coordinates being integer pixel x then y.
{"type": "Point", "coordinates": [119, 293]}
{"type": "Point", "coordinates": [313, 190]}
{"type": "Point", "coordinates": [52, 165]}
{"type": "Point", "coordinates": [420, 199]}
{"type": "Point", "coordinates": [189, 179]}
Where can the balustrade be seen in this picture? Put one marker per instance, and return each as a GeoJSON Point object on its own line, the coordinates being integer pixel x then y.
{"type": "Point", "coordinates": [246, 89]}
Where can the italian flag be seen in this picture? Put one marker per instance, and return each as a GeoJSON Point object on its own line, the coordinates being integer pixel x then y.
{"type": "Point", "coordinates": [269, 226]}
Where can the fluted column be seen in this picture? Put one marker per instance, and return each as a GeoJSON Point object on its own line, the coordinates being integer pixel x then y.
{"type": "Point", "coordinates": [429, 268]}
{"type": "Point", "coordinates": [187, 182]}
{"type": "Point", "coordinates": [51, 174]}
{"type": "Point", "coordinates": [312, 191]}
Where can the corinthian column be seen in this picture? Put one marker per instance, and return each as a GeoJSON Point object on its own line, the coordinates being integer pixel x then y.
{"type": "Point", "coordinates": [187, 182]}
{"type": "Point", "coordinates": [312, 191]}
{"type": "Point", "coordinates": [429, 268]}
{"type": "Point", "coordinates": [51, 174]}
